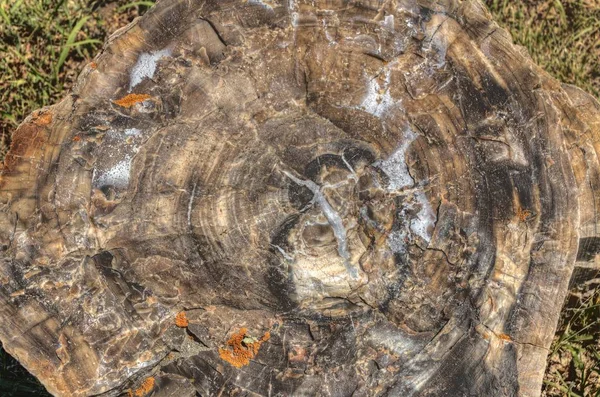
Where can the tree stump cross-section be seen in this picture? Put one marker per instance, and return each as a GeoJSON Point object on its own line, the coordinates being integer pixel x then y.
{"type": "Point", "coordinates": [299, 198]}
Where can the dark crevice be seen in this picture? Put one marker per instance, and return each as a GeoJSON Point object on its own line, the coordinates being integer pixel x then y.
{"type": "Point", "coordinates": [212, 25]}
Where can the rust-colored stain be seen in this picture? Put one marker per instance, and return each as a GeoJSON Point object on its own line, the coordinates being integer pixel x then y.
{"type": "Point", "coordinates": [505, 337]}
{"type": "Point", "coordinates": [241, 349]}
{"type": "Point", "coordinates": [523, 215]}
{"type": "Point", "coordinates": [26, 141]}
{"type": "Point", "coordinates": [145, 388]}
{"type": "Point", "coordinates": [181, 320]}
{"type": "Point", "coordinates": [131, 99]}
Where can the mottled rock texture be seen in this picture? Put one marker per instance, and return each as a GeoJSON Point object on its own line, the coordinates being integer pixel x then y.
{"type": "Point", "coordinates": [299, 198]}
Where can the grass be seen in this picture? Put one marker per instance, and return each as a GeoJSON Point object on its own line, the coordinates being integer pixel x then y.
{"type": "Point", "coordinates": [574, 359]}
{"type": "Point", "coordinates": [44, 44]}
{"type": "Point", "coordinates": [562, 36]}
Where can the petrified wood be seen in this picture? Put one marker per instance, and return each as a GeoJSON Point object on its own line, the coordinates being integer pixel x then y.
{"type": "Point", "coordinates": [299, 198]}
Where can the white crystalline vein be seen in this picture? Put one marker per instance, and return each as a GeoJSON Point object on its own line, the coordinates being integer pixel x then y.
{"type": "Point", "coordinates": [117, 176]}
{"type": "Point", "coordinates": [190, 205]}
{"type": "Point", "coordinates": [425, 218]}
{"type": "Point", "coordinates": [396, 169]}
{"type": "Point", "coordinates": [395, 166]}
{"type": "Point", "coordinates": [334, 219]}
{"type": "Point", "coordinates": [396, 241]}
{"type": "Point", "coordinates": [378, 99]}
{"type": "Point", "coordinates": [283, 252]}
{"type": "Point", "coordinates": [261, 3]}
{"type": "Point", "coordinates": [388, 22]}
{"type": "Point", "coordinates": [146, 66]}
{"type": "Point", "coordinates": [132, 132]}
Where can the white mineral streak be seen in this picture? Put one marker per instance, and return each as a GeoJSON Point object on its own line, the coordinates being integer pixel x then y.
{"type": "Point", "coordinates": [425, 221]}
{"type": "Point", "coordinates": [388, 22]}
{"type": "Point", "coordinates": [440, 45]}
{"type": "Point", "coordinates": [353, 173]}
{"type": "Point", "coordinates": [293, 13]}
{"type": "Point", "coordinates": [132, 132]}
{"type": "Point", "coordinates": [190, 206]}
{"type": "Point", "coordinates": [117, 176]}
{"type": "Point", "coordinates": [287, 256]}
{"type": "Point", "coordinates": [397, 241]}
{"type": "Point", "coordinates": [119, 149]}
{"type": "Point", "coordinates": [146, 66]}
{"type": "Point", "coordinates": [378, 100]}
{"type": "Point", "coordinates": [334, 219]}
{"type": "Point", "coordinates": [261, 3]}
{"type": "Point", "coordinates": [439, 36]}
{"type": "Point", "coordinates": [396, 169]}
{"type": "Point", "coordinates": [295, 18]}
{"type": "Point", "coordinates": [395, 166]}
{"type": "Point", "coordinates": [330, 39]}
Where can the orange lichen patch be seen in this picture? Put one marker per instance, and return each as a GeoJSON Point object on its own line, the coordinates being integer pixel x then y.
{"type": "Point", "coordinates": [145, 388]}
{"type": "Point", "coordinates": [181, 320]}
{"type": "Point", "coordinates": [131, 99]}
{"type": "Point", "coordinates": [522, 214]}
{"type": "Point", "coordinates": [93, 65]}
{"type": "Point", "coordinates": [241, 349]}
{"type": "Point", "coordinates": [42, 119]}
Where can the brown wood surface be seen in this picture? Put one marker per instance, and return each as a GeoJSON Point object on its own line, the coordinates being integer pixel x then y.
{"type": "Point", "coordinates": [299, 198]}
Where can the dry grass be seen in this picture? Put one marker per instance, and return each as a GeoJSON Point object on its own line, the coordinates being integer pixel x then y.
{"type": "Point", "coordinates": [574, 359]}
{"type": "Point", "coordinates": [562, 36]}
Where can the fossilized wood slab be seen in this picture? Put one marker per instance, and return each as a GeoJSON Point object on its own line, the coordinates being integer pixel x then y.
{"type": "Point", "coordinates": [299, 198]}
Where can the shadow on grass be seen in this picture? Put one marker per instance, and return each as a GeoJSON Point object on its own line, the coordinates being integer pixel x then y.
{"type": "Point", "coordinates": [15, 381]}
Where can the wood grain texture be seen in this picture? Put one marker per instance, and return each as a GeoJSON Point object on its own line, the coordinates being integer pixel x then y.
{"type": "Point", "coordinates": [299, 198]}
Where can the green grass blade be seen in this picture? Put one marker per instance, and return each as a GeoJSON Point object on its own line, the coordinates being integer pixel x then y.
{"type": "Point", "coordinates": [26, 62]}
{"type": "Point", "coordinates": [135, 4]}
{"type": "Point", "coordinates": [67, 47]}
{"type": "Point", "coordinates": [84, 42]}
